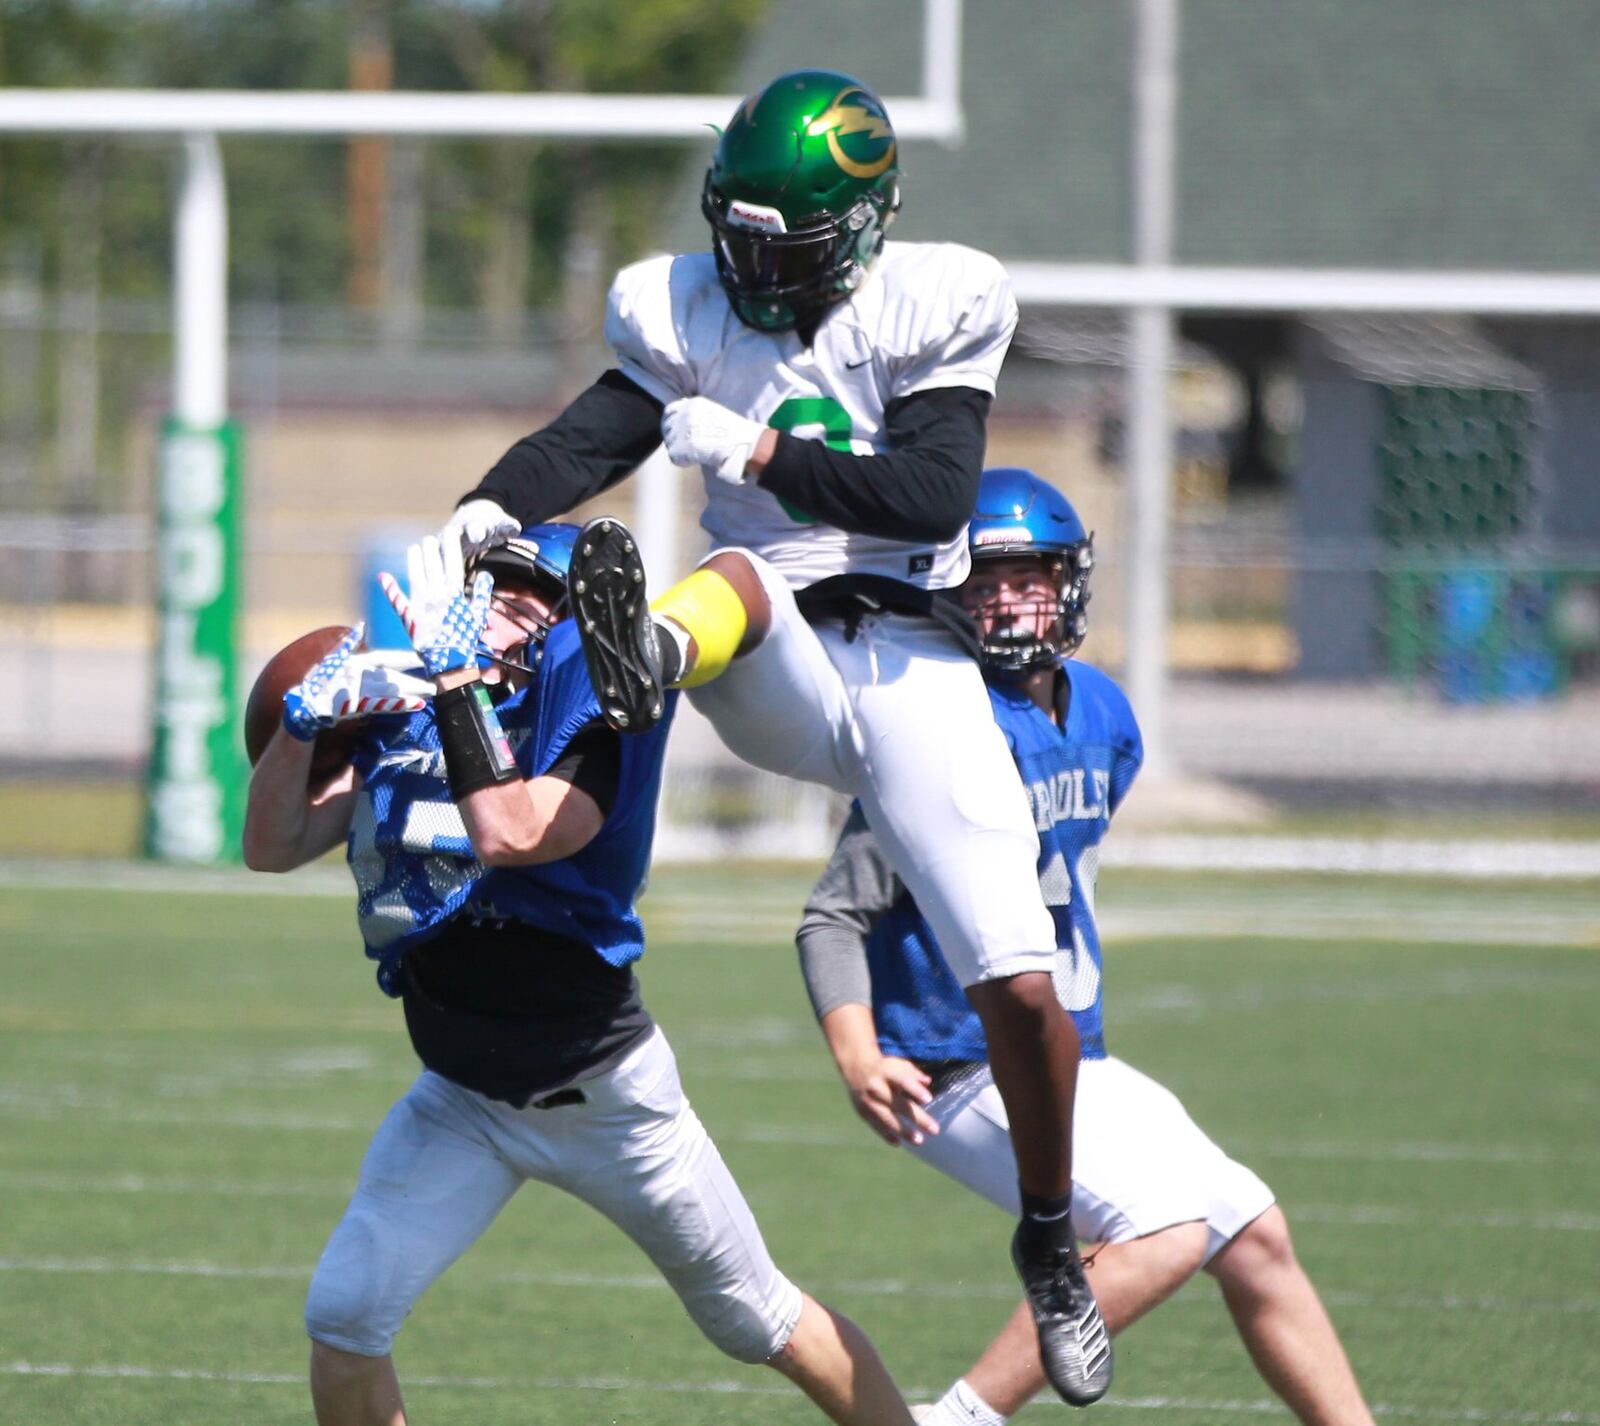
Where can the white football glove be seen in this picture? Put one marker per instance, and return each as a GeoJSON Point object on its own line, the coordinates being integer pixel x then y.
{"type": "Point", "coordinates": [445, 622]}
{"type": "Point", "coordinates": [389, 681]}
{"type": "Point", "coordinates": [480, 524]}
{"type": "Point", "coordinates": [698, 431]}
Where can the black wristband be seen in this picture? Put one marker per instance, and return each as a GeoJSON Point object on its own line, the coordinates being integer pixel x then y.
{"type": "Point", "coordinates": [476, 750]}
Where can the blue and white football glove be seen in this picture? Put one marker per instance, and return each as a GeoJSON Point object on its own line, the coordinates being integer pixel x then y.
{"type": "Point", "coordinates": [346, 685]}
{"type": "Point", "coordinates": [445, 623]}
{"type": "Point", "coordinates": [308, 706]}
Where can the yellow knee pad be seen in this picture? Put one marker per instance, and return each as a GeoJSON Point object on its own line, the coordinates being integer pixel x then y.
{"type": "Point", "coordinates": [710, 610]}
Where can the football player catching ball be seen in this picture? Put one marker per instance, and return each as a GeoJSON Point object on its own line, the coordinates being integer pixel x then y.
{"type": "Point", "coordinates": [498, 834]}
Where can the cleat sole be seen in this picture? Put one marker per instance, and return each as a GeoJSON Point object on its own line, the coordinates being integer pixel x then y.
{"type": "Point", "coordinates": [607, 579]}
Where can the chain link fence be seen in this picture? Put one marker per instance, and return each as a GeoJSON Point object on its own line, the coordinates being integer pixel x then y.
{"type": "Point", "coordinates": [1382, 617]}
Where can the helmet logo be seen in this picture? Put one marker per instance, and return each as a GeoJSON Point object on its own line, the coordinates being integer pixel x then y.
{"type": "Point", "coordinates": [1017, 535]}
{"type": "Point", "coordinates": [755, 216]}
{"type": "Point", "coordinates": [862, 116]}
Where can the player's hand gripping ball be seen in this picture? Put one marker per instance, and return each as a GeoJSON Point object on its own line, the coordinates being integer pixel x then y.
{"type": "Point", "coordinates": [316, 702]}
{"type": "Point", "coordinates": [445, 622]}
{"type": "Point", "coordinates": [367, 683]}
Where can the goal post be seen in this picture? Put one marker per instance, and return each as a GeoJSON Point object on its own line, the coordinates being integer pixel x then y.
{"type": "Point", "coordinates": [1129, 444]}
{"type": "Point", "coordinates": [194, 786]}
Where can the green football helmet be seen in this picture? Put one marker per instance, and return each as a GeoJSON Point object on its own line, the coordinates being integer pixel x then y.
{"type": "Point", "coordinates": [803, 184]}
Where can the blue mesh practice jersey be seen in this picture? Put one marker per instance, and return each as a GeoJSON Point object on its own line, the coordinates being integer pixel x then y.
{"type": "Point", "coordinates": [413, 861]}
{"type": "Point", "coordinates": [1075, 777]}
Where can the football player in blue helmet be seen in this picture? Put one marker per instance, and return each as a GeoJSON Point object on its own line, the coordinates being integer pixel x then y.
{"type": "Point", "coordinates": [1033, 620]}
{"type": "Point", "coordinates": [498, 835]}
{"type": "Point", "coordinates": [1150, 1189]}
{"type": "Point", "coordinates": [535, 563]}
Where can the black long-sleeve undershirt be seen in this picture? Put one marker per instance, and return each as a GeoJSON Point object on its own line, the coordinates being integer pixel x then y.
{"type": "Point", "coordinates": [922, 489]}
{"type": "Point", "coordinates": [603, 436]}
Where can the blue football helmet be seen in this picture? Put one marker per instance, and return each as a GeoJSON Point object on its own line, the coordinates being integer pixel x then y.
{"type": "Point", "coordinates": [538, 559]}
{"type": "Point", "coordinates": [1020, 515]}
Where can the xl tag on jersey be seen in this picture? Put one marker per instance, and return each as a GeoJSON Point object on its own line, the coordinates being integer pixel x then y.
{"type": "Point", "coordinates": [920, 564]}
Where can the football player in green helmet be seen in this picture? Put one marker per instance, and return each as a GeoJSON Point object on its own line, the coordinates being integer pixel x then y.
{"type": "Point", "coordinates": [834, 389]}
{"type": "Point", "coordinates": [803, 187]}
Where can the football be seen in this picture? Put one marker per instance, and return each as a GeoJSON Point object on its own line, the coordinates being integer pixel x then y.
{"type": "Point", "coordinates": [264, 709]}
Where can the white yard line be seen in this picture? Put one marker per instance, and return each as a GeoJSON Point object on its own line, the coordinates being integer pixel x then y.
{"type": "Point", "coordinates": [24, 1102]}
{"type": "Point", "coordinates": [1199, 1295]}
{"type": "Point", "coordinates": [52, 875]}
{"type": "Point", "coordinates": [133, 1184]}
{"type": "Point", "coordinates": [1525, 859]}
{"type": "Point", "coordinates": [1473, 858]}
{"type": "Point", "coordinates": [1378, 1215]}
{"type": "Point", "coordinates": [749, 1387]}
{"type": "Point", "coordinates": [96, 1267]}
{"type": "Point", "coordinates": [1414, 1151]}
{"type": "Point", "coordinates": [1349, 910]}
{"type": "Point", "coordinates": [54, 1106]}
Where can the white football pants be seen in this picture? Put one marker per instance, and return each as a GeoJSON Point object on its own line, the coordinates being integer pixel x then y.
{"type": "Point", "coordinates": [1139, 1162]}
{"type": "Point", "coordinates": [899, 717]}
{"type": "Point", "coordinates": [446, 1160]}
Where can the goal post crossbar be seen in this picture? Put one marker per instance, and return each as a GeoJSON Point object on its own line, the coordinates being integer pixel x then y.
{"type": "Point", "coordinates": [935, 114]}
{"type": "Point", "coordinates": [392, 113]}
{"type": "Point", "coordinates": [1183, 288]}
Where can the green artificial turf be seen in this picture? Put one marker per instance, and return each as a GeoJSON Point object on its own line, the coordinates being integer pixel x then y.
{"type": "Point", "coordinates": [188, 1079]}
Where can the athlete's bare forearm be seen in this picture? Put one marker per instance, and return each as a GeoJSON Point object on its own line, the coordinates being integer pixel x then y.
{"type": "Point", "coordinates": [528, 823]}
{"type": "Point", "coordinates": [287, 821]}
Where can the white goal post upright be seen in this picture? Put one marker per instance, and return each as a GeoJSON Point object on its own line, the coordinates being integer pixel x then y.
{"type": "Point", "coordinates": [194, 803]}
{"type": "Point", "coordinates": [1147, 434]}
{"type": "Point", "coordinates": [200, 287]}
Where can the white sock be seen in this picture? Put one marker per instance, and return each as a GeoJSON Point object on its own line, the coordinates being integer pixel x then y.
{"type": "Point", "coordinates": [962, 1406]}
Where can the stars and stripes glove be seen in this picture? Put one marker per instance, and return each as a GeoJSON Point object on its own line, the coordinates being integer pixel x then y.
{"type": "Point", "coordinates": [699, 431]}
{"type": "Point", "coordinates": [346, 685]}
{"type": "Point", "coordinates": [445, 622]}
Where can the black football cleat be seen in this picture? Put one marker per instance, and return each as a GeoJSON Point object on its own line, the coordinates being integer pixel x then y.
{"type": "Point", "coordinates": [606, 584]}
{"type": "Point", "coordinates": [1074, 1346]}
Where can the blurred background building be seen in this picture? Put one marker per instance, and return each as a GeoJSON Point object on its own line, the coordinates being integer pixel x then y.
{"type": "Point", "coordinates": [1385, 558]}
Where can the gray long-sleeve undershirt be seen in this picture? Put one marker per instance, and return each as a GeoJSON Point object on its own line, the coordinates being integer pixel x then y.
{"type": "Point", "coordinates": [855, 889]}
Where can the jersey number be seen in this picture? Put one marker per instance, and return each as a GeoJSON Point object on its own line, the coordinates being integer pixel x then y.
{"type": "Point", "coordinates": [821, 411]}
{"type": "Point", "coordinates": [1076, 976]}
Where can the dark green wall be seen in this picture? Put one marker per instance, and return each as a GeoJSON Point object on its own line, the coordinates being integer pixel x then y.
{"type": "Point", "coordinates": [1413, 133]}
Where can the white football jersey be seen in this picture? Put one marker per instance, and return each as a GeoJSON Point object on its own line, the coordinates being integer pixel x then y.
{"type": "Point", "coordinates": [929, 315]}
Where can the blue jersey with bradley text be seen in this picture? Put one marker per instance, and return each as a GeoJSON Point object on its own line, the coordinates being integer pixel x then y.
{"type": "Point", "coordinates": [413, 861]}
{"type": "Point", "coordinates": [1075, 776]}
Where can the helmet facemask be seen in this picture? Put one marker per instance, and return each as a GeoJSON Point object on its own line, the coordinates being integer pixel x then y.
{"type": "Point", "coordinates": [523, 656]}
{"type": "Point", "coordinates": [1024, 632]}
{"type": "Point", "coordinates": [529, 595]}
{"type": "Point", "coordinates": [780, 276]}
